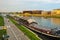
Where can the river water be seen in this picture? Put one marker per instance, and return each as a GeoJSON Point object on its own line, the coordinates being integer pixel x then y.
{"type": "Point", "coordinates": [47, 22]}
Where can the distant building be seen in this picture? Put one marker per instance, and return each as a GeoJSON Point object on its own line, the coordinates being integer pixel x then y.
{"type": "Point", "coordinates": [41, 12]}
{"type": "Point", "coordinates": [32, 13]}
{"type": "Point", "coordinates": [36, 11]}
{"type": "Point", "coordinates": [55, 12]}
{"type": "Point", "coordinates": [44, 13]}
{"type": "Point", "coordinates": [27, 12]}
{"type": "Point", "coordinates": [49, 12]}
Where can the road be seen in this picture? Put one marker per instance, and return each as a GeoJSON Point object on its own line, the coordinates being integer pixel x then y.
{"type": "Point", "coordinates": [13, 31]}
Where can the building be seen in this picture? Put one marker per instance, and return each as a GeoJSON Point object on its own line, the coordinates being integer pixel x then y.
{"type": "Point", "coordinates": [36, 11]}
{"type": "Point", "coordinates": [55, 12]}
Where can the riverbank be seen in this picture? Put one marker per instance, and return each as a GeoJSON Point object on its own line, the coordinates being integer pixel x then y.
{"type": "Point", "coordinates": [51, 16]}
{"type": "Point", "coordinates": [39, 15]}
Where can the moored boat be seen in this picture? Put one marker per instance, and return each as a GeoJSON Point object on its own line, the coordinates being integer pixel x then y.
{"type": "Point", "coordinates": [33, 25]}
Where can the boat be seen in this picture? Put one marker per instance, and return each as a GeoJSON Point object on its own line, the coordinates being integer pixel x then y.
{"type": "Point", "coordinates": [31, 24]}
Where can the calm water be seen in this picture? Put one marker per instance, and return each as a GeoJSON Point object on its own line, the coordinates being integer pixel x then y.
{"type": "Point", "coordinates": [47, 22]}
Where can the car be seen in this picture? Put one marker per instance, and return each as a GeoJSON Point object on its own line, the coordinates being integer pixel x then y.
{"type": "Point", "coordinates": [5, 37]}
{"type": "Point", "coordinates": [8, 20]}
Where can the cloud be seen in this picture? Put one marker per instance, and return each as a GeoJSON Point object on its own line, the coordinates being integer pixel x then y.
{"type": "Point", "coordinates": [45, 1]}
{"type": "Point", "coordinates": [51, 1]}
{"type": "Point", "coordinates": [17, 5]}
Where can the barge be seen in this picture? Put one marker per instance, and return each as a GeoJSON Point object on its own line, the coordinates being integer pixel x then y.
{"type": "Point", "coordinates": [33, 25]}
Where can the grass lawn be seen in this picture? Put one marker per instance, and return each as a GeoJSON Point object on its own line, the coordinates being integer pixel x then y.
{"type": "Point", "coordinates": [1, 21]}
{"type": "Point", "coordinates": [2, 32]}
{"type": "Point", "coordinates": [26, 31]}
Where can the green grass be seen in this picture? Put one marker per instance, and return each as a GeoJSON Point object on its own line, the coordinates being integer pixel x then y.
{"type": "Point", "coordinates": [1, 21]}
{"type": "Point", "coordinates": [26, 31]}
{"type": "Point", "coordinates": [2, 32]}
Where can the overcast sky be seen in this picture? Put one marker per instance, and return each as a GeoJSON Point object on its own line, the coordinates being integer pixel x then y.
{"type": "Point", "coordinates": [20, 5]}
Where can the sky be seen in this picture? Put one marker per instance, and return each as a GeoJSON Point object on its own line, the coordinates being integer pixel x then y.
{"type": "Point", "coordinates": [21, 5]}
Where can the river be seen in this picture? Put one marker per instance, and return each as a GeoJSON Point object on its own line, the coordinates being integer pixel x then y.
{"type": "Point", "coordinates": [49, 23]}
